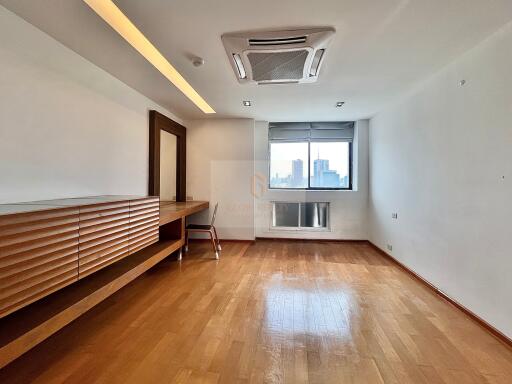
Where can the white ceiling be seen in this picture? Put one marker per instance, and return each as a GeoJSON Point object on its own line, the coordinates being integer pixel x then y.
{"type": "Point", "coordinates": [381, 48]}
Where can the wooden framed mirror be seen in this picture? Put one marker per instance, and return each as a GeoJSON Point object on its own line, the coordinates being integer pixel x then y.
{"type": "Point", "coordinates": [167, 157]}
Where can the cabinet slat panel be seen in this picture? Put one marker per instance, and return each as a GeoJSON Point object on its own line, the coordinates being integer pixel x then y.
{"type": "Point", "coordinates": [143, 212]}
{"type": "Point", "coordinates": [103, 245]}
{"type": "Point", "coordinates": [143, 233]}
{"type": "Point", "coordinates": [97, 261]}
{"type": "Point", "coordinates": [141, 238]}
{"type": "Point", "coordinates": [144, 223]}
{"type": "Point", "coordinates": [137, 246]}
{"type": "Point", "coordinates": [35, 228]}
{"type": "Point", "coordinates": [104, 235]}
{"type": "Point", "coordinates": [104, 224]}
{"type": "Point", "coordinates": [13, 286]}
{"type": "Point", "coordinates": [30, 217]}
{"type": "Point", "coordinates": [30, 266]}
{"type": "Point", "coordinates": [30, 229]}
{"type": "Point", "coordinates": [94, 211]}
{"type": "Point", "coordinates": [138, 220]}
{"type": "Point", "coordinates": [38, 255]}
{"type": "Point", "coordinates": [141, 225]}
{"type": "Point", "coordinates": [90, 239]}
{"type": "Point", "coordinates": [37, 250]}
{"type": "Point", "coordinates": [35, 293]}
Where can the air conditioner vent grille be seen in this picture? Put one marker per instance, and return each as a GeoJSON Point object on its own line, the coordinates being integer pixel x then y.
{"type": "Point", "coordinates": [287, 65]}
{"type": "Point", "coordinates": [278, 82]}
{"type": "Point", "coordinates": [278, 41]}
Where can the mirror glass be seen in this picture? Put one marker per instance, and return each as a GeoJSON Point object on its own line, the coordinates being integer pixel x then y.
{"type": "Point", "coordinates": [168, 148]}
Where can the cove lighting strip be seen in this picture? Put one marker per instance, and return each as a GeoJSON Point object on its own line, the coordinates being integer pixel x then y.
{"type": "Point", "coordinates": [114, 17]}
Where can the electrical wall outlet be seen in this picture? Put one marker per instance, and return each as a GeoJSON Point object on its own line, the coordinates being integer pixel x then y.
{"type": "Point", "coordinates": [390, 247]}
{"type": "Point", "coordinates": [394, 215]}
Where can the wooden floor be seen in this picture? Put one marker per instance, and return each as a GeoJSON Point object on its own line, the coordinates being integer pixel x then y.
{"type": "Point", "coordinates": [270, 312]}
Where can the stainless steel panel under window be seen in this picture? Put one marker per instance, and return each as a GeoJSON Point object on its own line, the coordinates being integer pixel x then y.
{"type": "Point", "coordinates": [286, 215]}
{"type": "Point", "coordinates": [314, 215]}
{"type": "Point", "coordinates": [295, 215]}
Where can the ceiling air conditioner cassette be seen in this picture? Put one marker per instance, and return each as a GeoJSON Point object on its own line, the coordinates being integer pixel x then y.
{"type": "Point", "coordinates": [278, 57]}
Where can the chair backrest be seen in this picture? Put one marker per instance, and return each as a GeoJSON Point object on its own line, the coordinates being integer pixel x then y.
{"type": "Point", "coordinates": [214, 213]}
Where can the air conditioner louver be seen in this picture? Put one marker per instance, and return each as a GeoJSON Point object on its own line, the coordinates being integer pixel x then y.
{"type": "Point", "coordinates": [283, 41]}
{"type": "Point", "coordinates": [278, 57]}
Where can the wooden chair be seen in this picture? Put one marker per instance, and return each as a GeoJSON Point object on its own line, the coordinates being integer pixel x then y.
{"type": "Point", "coordinates": [205, 228]}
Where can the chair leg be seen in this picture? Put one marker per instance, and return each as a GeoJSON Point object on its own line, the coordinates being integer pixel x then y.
{"type": "Point", "coordinates": [186, 241]}
{"type": "Point", "coordinates": [214, 245]}
{"type": "Point", "coordinates": [219, 248]}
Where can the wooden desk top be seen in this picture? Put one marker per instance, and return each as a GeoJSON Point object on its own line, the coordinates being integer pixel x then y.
{"type": "Point", "coordinates": [172, 210]}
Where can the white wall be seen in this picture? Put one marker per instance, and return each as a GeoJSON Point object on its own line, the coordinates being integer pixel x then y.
{"type": "Point", "coordinates": [442, 159]}
{"type": "Point", "coordinates": [67, 128]}
{"type": "Point", "coordinates": [220, 166]}
{"type": "Point", "coordinates": [348, 218]}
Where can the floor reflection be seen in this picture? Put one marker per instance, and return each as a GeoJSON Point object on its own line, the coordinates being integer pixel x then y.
{"type": "Point", "coordinates": [319, 310]}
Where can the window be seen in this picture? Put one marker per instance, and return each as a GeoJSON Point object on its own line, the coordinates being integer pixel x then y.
{"type": "Point", "coordinates": [311, 155]}
{"type": "Point", "coordinates": [329, 165]}
{"type": "Point", "coordinates": [289, 165]}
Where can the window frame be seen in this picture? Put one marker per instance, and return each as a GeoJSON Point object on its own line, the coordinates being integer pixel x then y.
{"type": "Point", "coordinates": [299, 227]}
{"type": "Point", "coordinates": [309, 187]}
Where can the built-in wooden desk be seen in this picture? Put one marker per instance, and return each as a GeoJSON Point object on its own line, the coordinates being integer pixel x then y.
{"type": "Point", "coordinates": [173, 216]}
{"type": "Point", "coordinates": [172, 210]}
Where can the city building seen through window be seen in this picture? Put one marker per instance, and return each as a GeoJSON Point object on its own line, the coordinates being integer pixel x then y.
{"type": "Point", "coordinates": [310, 165]}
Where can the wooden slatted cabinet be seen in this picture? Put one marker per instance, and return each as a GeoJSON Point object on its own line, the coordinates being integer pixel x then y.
{"type": "Point", "coordinates": [38, 254]}
{"type": "Point", "coordinates": [47, 245]}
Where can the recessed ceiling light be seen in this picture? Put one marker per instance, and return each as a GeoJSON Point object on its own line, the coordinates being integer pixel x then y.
{"type": "Point", "coordinates": [339, 104]}
{"type": "Point", "coordinates": [114, 17]}
{"type": "Point", "coordinates": [247, 103]}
